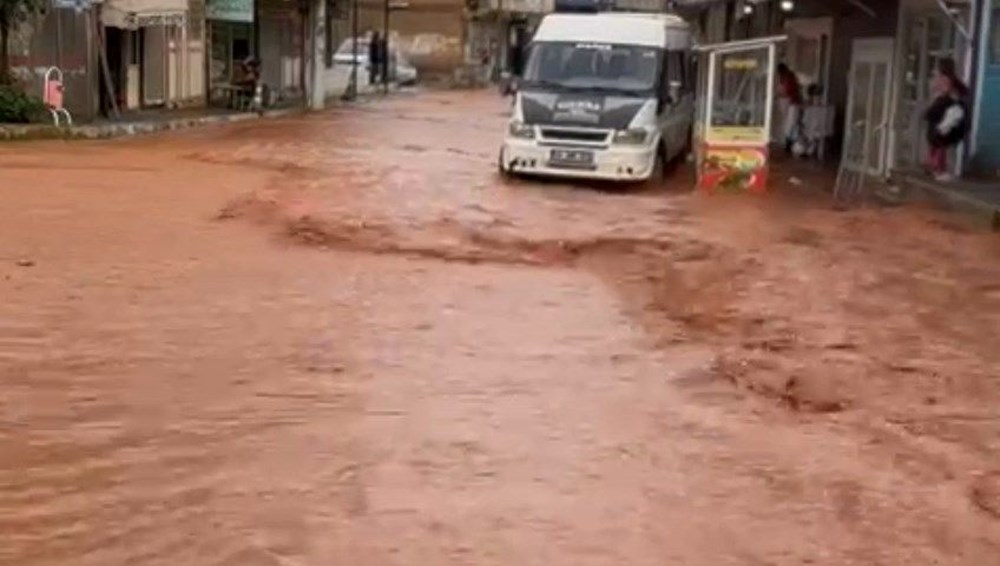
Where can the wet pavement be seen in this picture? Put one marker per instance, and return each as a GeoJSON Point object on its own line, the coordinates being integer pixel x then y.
{"type": "Point", "coordinates": [342, 339]}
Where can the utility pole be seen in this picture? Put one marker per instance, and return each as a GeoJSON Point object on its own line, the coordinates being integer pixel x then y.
{"type": "Point", "coordinates": [386, 58]}
{"type": "Point", "coordinates": [352, 88]}
{"type": "Point", "coordinates": [256, 30]}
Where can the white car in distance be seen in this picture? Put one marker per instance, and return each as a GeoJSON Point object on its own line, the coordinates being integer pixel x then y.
{"type": "Point", "coordinates": [403, 72]}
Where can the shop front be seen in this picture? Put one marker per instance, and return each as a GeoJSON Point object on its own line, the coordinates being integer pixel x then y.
{"type": "Point", "coordinates": [501, 33]}
{"type": "Point", "coordinates": [230, 26]}
{"type": "Point", "coordinates": [150, 54]}
{"type": "Point", "coordinates": [926, 35]}
{"type": "Point", "coordinates": [283, 48]}
{"type": "Point", "coordinates": [273, 32]}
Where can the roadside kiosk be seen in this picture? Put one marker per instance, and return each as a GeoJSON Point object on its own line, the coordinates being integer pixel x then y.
{"type": "Point", "coordinates": [732, 130]}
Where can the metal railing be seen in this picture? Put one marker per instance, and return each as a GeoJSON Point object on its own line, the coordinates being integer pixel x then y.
{"type": "Point", "coordinates": [852, 175]}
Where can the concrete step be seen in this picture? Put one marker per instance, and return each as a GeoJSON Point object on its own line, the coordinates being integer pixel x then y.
{"type": "Point", "coordinates": [977, 200]}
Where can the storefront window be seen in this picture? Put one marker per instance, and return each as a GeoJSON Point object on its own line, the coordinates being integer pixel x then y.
{"type": "Point", "coordinates": [740, 93]}
{"type": "Point", "coordinates": [231, 43]}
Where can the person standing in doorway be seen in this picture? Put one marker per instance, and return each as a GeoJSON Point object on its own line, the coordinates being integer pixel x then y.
{"type": "Point", "coordinates": [790, 101]}
{"type": "Point", "coordinates": [386, 59]}
{"type": "Point", "coordinates": [374, 57]}
{"type": "Point", "coordinates": [946, 117]}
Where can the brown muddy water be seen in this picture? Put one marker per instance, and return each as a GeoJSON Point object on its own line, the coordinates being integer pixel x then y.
{"type": "Point", "coordinates": [341, 339]}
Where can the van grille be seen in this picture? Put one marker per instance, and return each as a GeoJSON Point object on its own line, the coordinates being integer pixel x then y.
{"type": "Point", "coordinates": [592, 136]}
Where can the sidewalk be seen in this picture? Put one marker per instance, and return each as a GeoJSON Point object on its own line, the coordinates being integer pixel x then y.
{"type": "Point", "coordinates": [337, 80]}
{"type": "Point", "coordinates": [138, 123]}
{"type": "Point", "coordinates": [978, 199]}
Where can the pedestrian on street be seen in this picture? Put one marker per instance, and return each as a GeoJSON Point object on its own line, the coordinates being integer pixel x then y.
{"type": "Point", "coordinates": [386, 59]}
{"type": "Point", "coordinates": [790, 102]}
{"type": "Point", "coordinates": [946, 117]}
{"type": "Point", "coordinates": [374, 58]}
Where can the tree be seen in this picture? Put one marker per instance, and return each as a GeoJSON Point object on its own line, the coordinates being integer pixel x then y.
{"type": "Point", "coordinates": [12, 13]}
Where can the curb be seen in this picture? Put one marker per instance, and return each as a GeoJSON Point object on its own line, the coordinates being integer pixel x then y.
{"type": "Point", "coordinates": [116, 130]}
{"type": "Point", "coordinates": [981, 212]}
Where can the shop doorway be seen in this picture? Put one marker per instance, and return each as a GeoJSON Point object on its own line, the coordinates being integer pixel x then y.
{"type": "Point", "coordinates": [115, 53]}
{"type": "Point", "coordinates": [807, 51]}
{"type": "Point", "coordinates": [928, 37]}
{"type": "Point", "coordinates": [154, 66]}
{"type": "Point", "coordinates": [518, 37]}
{"type": "Point", "coordinates": [868, 105]}
{"type": "Point", "coordinates": [231, 43]}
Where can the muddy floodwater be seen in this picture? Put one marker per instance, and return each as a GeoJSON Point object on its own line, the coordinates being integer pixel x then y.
{"type": "Point", "coordinates": [342, 339]}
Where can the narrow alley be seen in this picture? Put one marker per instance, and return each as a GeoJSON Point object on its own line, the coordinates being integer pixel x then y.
{"type": "Point", "coordinates": [341, 338]}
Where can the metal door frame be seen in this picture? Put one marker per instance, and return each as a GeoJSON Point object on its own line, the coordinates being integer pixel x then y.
{"type": "Point", "coordinates": [859, 47]}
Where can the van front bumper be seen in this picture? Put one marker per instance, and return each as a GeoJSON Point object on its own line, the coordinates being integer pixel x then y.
{"type": "Point", "coordinates": [615, 163]}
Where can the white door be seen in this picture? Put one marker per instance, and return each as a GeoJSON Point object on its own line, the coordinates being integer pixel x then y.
{"type": "Point", "coordinates": [154, 65]}
{"type": "Point", "coordinates": [867, 117]}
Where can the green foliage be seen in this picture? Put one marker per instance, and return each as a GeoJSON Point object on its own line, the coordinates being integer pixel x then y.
{"type": "Point", "coordinates": [13, 13]}
{"type": "Point", "coordinates": [16, 11]}
{"type": "Point", "coordinates": [17, 107]}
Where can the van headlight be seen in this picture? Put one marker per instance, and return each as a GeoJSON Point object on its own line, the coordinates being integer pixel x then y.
{"type": "Point", "coordinates": [631, 136]}
{"type": "Point", "coordinates": [521, 130]}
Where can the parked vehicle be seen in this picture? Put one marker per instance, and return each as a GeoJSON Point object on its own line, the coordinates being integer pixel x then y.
{"type": "Point", "coordinates": [403, 72]}
{"type": "Point", "coordinates": [603, 96]}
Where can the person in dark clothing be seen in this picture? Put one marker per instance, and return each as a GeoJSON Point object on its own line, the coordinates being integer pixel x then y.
{"type": "Point", "coordinates": [248, 73]}
{"type": "Point", "coordinates": [790, 100]}
{"type": "Point", "coordinates": [946, 117]}
{"type": "Point", "coordinates": [375, 61]}
{"type": "Point", "coordinates": [386, 59]}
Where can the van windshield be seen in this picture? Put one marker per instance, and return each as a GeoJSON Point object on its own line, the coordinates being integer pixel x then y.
{"type": "Point", "coordinates": [626, 69]}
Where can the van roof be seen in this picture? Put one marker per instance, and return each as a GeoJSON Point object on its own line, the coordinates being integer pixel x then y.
{"type": "Point", "coordinates": [622, 28]}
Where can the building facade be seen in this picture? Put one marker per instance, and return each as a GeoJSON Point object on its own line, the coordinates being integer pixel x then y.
{"type": "Point", "coordinates": [153, 53]}
{"type": "Point", "coordinates": [499, 32]}
{"type": "Point", "coordinates": [985, 154]}
{"type": "Point", "coordinates": [60, 38]}
{"type": "Point", "coordinates": [873, 61]}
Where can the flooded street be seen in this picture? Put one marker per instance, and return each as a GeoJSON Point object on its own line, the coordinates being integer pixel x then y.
{"type": "Point", "coordinates": [343, 339]}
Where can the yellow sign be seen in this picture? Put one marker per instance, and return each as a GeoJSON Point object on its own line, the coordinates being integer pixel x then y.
{"type": "Point", "coordinates": [739, 64]}
{"type": "Point", "coordinates": [737, 134]}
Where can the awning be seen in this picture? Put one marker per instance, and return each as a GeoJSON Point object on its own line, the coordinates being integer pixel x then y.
{"type": "Point", "coordinates": [134, 14]}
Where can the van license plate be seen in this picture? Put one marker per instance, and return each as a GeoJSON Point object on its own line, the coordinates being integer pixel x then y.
{"type": "Point", "coordinates": [571, 158]}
